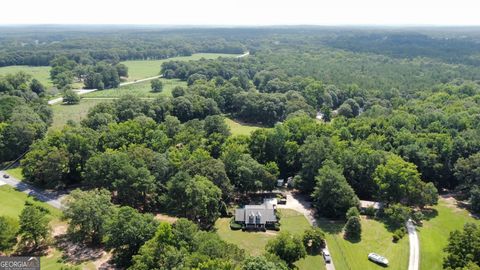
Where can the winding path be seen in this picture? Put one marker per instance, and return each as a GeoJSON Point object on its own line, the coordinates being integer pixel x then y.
{"type": "Point", "coordinates": [414, 261]}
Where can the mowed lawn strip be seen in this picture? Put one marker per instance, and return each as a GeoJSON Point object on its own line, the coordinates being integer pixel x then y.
{"type": "Point", "coordinates": [141, 90]}
{"type": "Point", "coordinates": [63, 113]}
{"type": "Point", "coordinates": [434, 233]}
{"type": "Point", "coordinates": [348, 255]}
{"type": "Point", "coordinates": [40, 73]}
{"type": "Point", "coordinates": [16, 172]}
{"type": "Point", "coordinates": [140, 69]}
{"type": "Point", "coordinates": [238, 128]}
{"type": "Point", "coordinates": [254, 242]}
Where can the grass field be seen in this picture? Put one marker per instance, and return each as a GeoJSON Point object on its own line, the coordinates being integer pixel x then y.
{"type": "Point", "coordinates": [12, 203]}
{"type": "Point", "coordinates": [140, 69]}
{"type": "Point", "coordinates": [40, 73]}
{"type": "Point", "coordinates": [434, 232]}
{"type": "Point", "coordinates": [16, 172]}
{"type": "Point", "coordinates": [63, 113]}
{"type": "Point", "coordinates": [375, 238]}
{"type": "Point", "coordinates": [142, 90]}
{"type": "Point", "coordinates": [237, 128]}
{"type": "Point", "coordinates": [254, 242]}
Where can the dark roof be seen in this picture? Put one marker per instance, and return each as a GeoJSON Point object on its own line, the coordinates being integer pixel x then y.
{"type": "Point", "coordinates": [255, 214]}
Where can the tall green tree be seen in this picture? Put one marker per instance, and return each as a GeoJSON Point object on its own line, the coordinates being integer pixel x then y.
{"type": "Point", "coordinates": [463, 247]}
{"type": "Point", "coordinates": [70, 97]}
{"type": "Point", "coordinates": [333, 196]}
{"type": "Point", "coordinates": [353, 228]}
{"type": "Point", "coordinates": [126, 231]}
{"type": "Point", "coordinates": [8, 233]}
{"type": "Point", "coordinates": [287, 247]}
{"type": "Point", "coordinates": [195, 198]}
{"type": "Point", "coordinates": [314, 239]}
{"type": "Point", "coordinates": [34, 228]}
{"type": "Point", "coordinates": [156, 85]}
{"type": "Point", "coordinates": [263, 263]}
{"type": "Point", "coordinates": [87, 213]}
{"type": "Point", "coordinates": [399, 181]}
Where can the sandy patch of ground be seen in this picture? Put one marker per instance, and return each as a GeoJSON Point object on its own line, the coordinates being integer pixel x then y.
{"type": "Point", "coordinates": [166, 218]}
{"type": "Point", "coordinates": [59, 229]}
{"type": "Point", "coordinates": [451, 202]}
{"type": "Point", "coordinates": [77, 253]}
{"type": "Point", "coordinates": [102, 263]}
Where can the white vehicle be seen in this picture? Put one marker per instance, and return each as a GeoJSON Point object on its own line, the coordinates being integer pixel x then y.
{"type": "Point", "coordinates": [374, 257]}
{"type": "Point", "coordinates": [326, 256]}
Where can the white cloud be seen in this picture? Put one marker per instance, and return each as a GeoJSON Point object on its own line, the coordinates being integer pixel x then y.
{"type": "Point", "coordinates": [246, 12]}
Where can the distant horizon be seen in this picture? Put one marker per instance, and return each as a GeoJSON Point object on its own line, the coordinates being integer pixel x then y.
{"type": "Point", "coordinates": [243, 13]}
{"type": "Point", "coordinates": [239, 25]}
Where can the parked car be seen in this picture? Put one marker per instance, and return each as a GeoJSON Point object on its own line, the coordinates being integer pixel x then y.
{"type": "Point", "coordinates": [6, 176]}
{"type": "Point", "coordinates": [374, 257]}
{"type": "Point", "coordinates": [326, 256]}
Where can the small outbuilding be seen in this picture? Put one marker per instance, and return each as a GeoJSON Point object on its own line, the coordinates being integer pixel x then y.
{"type": "Point", "coordinates": [370, 204]}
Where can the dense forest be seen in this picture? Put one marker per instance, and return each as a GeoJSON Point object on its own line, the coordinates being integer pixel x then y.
{"type": "Point", "coordinates": [392, 117]}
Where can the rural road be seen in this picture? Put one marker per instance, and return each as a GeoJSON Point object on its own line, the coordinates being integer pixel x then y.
{"type": "Point", "coordinates": [414, 260]}
{"type": "Point", "coordinates": [299, 204]}
{"type": "Point", "coordinates": [50, 198]}
{"type": "Point", "coordinates": [243, 55]}
{"type": "Point", "coordinates": [86, 91]}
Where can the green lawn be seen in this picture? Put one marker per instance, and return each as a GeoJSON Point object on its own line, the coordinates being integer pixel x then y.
{"type": "Point", "coordinates": [63, 113]}
{"type": "Point", "coordinates": [434, 232]}
{"type": "Point", "coordinates": [254, 242]}
{"type": "Point", "coordinates": [16, 172]}
{"type": "Point", "coordinates": [237, 128]}
{"type": "Point", "coordinates": [348, 255]}
{"type": "Point", "coordinates": [142, 90]}
{"type": "Point", "coordinates": [40, 73]}
{"type": "Point", "coordinates": [12, 203]}
{"type": "Point", "coordinates": [139, 69]}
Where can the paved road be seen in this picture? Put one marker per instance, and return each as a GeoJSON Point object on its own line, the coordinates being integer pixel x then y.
{"type": "Point", "coordinates": [414, 260]}
{"type": "Point", "coordinates": [50, 198]}
{"type": "Point", "coordinates": [243, 55]}
{"type": "Point", "coordinates": [86, 91]}
{"type": "Point", "coordinates": [298, 203]}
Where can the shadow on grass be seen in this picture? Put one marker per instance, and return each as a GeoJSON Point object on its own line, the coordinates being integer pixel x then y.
{"type": "Point", "coordinates": [429, 213]}
{"type": "Point", "coordinates": [379, 264]}
{"type": "Point", "coordinates": [330, 226]}
{"type": "Point", "coordinates": [76, 253]}
{"type": "Point", "coordinates": [353, 240]}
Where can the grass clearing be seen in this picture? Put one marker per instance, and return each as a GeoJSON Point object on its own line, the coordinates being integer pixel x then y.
{"type": "Point", "coordinates": [348, 255]}
{"type": "Point", "coordinates": [16, 172]}
{"type": "Point", "coordinates": [12, 203]}
{"type": "Point", "coordinates": [142, 90]}
{"type": "Point", "coordinates": [254, 242]}
{"type": "Point", "coordinates": [40, 73]}
{"type": "Point", "coordinates": [238, 128]}
{"type": "Point", "coordinates": [139, 69]}
{"type": "Point", "coordinates": [63, 113]}
{"type": "Point", "coordinates": [433, 235]}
